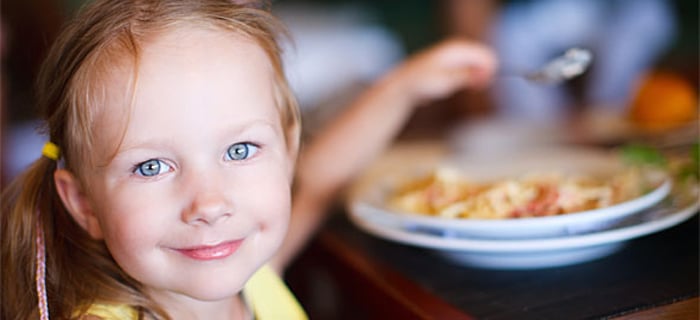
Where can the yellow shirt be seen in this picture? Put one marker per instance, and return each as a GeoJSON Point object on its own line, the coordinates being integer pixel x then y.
{"type": "Point", "coordinates": [113, 311]}
{"type": "Point", "coordinates": [266, 294]}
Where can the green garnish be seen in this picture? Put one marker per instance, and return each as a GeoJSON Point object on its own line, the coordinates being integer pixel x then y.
{"type": "Point", "coordinates": [643, 155]}
{"type": "Point", "coordinates": [692, 169]}
{"type": "Point", "coordinates": [638, 154]}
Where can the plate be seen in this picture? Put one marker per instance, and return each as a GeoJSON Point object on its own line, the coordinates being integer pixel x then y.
{"type": "Point", "coordinates": [539, 253]}
{"type": "Point", "coordinates": [369, 199]}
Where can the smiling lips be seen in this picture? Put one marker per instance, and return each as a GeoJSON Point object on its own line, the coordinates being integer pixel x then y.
{"type": "Point", "coordinates": [218, 251]}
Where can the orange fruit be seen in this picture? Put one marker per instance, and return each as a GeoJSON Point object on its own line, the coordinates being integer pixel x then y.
{"type": "Point", "coordinates": [664, 100]}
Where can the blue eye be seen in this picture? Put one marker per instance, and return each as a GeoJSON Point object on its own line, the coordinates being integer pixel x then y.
{"type": "Point", "coordinates": [241, 151]}
{"type": "Point", "coordinates": [152, 168]}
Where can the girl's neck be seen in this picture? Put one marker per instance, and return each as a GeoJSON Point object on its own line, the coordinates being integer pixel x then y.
{"type": "Point", "coordinates": [179, 307]}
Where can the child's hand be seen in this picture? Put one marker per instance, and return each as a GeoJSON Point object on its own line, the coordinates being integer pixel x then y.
{"type": "Point", "coordinates": [443, 69]}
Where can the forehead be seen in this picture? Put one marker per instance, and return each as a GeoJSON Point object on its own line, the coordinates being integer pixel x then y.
{"type": "Point", "coordinates": [210, 63]}
{"type": "Point", "coordinates": [185, 51]}
{"type": "Point", "coordinates": [188, 69]}
{"type": "Point", "coordinates": [191, 47]}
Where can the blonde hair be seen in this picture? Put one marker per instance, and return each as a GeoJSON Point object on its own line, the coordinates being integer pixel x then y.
{"type": "Point", "coordinates": [104, 34]}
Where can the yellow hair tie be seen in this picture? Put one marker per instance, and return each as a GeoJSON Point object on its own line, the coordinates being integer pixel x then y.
{"type": "Point", "coordinates": [51, 150]}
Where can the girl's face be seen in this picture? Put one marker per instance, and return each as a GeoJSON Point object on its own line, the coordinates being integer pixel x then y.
{"type": "Point", "coordinates": [198, 195]}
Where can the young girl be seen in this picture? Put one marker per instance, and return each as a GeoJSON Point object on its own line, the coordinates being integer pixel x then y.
{"type": "Point", "coordinates": [165, 188]}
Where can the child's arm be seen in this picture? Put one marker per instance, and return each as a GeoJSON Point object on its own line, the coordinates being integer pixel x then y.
{"type": "Point", "coordinates": [359, 134]}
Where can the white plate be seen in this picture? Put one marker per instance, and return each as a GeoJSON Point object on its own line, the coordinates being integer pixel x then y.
{"type": "Point", "coordinates": [370, 198]}
{"type": "Point", "coordinates": [539, 253]}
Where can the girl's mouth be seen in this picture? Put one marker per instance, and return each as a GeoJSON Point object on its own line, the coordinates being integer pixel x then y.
{"type": "Point", "coordinates": [214, 252]}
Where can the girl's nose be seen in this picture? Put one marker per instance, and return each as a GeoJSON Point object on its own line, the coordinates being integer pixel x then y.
{"type": "Point", "coordinates": [209, 204]}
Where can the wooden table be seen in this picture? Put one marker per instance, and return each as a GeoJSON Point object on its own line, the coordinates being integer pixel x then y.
{"type": "Point", "coordinates": [348, 274]}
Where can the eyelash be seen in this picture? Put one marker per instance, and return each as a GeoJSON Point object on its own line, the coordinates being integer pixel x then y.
{"type": "Point", "coordinates": [139, 168]}
{"type": "Point", "coordinates": [248, 153]}
{"type": "Point", "coordinates": [163, 166]}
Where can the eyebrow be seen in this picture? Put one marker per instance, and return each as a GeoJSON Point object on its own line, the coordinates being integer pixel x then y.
{"type": "Point", "coordinates": [235, 130]}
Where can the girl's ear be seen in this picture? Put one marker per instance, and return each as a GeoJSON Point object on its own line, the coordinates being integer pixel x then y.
{"type": "Point", "coordinates": [293, 149]}
{"type": "Point", "coordinates": [293, 156]}
{"type": "Point", "coordinates": [77, 203]}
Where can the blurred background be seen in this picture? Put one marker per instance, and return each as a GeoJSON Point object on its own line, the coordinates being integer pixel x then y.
{"type": "Point", "coordinates": [643, 82]}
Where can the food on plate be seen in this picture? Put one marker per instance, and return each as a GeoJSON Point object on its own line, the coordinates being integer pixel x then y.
{"type": "Point", "coordinates": [447, 193]}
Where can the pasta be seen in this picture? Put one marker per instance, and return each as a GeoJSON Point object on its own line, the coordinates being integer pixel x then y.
{"type": "Point", "coordinates": [446, 193]}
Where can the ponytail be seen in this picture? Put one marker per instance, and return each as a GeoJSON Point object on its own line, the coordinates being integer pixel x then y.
{"type": "Point", "coordinates": [26, 206]}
